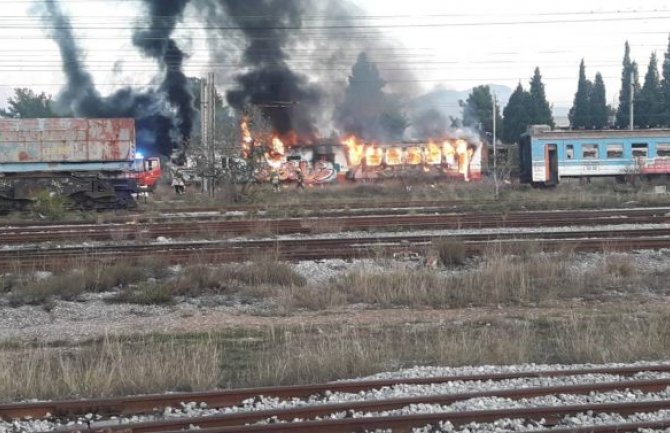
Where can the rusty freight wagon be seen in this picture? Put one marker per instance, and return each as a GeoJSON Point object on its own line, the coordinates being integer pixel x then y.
{"type": "Point", "coordinates": [86, 160]}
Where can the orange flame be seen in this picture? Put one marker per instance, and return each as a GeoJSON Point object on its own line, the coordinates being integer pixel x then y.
{"type": "Point", "coordinates": [374, 156]}
{"type": "Point", "coordinates": [276, 152]}
{"type": "Point", "coordinates": [247, 138]}
{"type": "Point", "coordinates": [414, 155]}
{"type": "Point", "coordinates": [449, 153]}
{"type": "Point", "coordinates": [355, 150]}
{"type": "Point", "coordinates": [393, 156]}
{"type": "Point", "coordinates": [433, 154]}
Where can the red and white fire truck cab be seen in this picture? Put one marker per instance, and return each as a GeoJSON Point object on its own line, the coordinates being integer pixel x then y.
{"type": "Point", "coordinates": [147, 171]}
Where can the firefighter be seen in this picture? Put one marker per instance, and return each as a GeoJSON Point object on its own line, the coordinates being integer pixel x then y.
{"type": "Point", "coordinates": [274, 180]}
{"type": "Point", "coordinates": [300, 178]}
{"type": "Point", "coordinates": [178, 183]}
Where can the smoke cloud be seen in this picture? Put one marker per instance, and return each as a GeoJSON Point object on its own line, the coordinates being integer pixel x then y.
{"type": "Point", "coordinates": [155, 42]}
{"type": "Point", "coordinates": [430, 123]}
{"type": "Point", "coordinates": [267, 29]}
{"type": "Point", "coordinates": [279, 40]}
{"type": "Point", "coordinates": [289, 58]}
{"type": "Point", "coordinates": [164, 116]}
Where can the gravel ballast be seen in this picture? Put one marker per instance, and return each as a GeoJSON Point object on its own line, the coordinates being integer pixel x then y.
{"type": "Point", "coordinates": [199, 409]}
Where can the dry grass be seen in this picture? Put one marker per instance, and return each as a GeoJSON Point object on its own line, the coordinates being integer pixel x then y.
{"type": "Point", "coordinates": [258, 279]}
{"type": "Point", "coordinates": [525, 279]}
{"type": "Point", "coordinates": [316, 354]}
{"type": "Point", "coordinates": [109, 368]}
{"type": "Point", "coordinates": [70, 285]}
{"type": "Point", "coordinates": [319, 354]}
{"type": "Point", "coordinates": [147, 282]}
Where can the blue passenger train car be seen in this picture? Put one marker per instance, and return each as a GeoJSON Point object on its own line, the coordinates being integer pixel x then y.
{"type": "Point", "coordinates": [546, 156]}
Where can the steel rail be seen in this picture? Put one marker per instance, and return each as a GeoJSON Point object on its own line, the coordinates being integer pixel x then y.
{"type": "Point", "coordinates": [370, 240]}
{"type": "Point", "coordinates": [320, 249]}
{"type": "Point", "coordinates": [41, 233]}
{"type": "Point", "coordinates": [546, 415]}
{"type": "Point", "coordinates": [632, 427]}
{"type": "Point", "coordinates": [325, 410]}
{"type": "Point", "coordinates": [222, 398]}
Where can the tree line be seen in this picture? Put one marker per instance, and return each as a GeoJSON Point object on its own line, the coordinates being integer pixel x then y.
{"type": "Point", "coordinates": [651, 102]}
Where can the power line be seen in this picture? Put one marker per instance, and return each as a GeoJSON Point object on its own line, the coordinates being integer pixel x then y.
{"type": "Point", "coordinates": [374, 27]}
{"type": "Point", "coordinates": [368, 16]}
{"type": "Point", "coordinates": [233, 83]}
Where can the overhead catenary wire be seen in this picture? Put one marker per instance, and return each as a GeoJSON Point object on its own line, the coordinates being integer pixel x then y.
{"type": "Point", "coordinates": [359, 31]}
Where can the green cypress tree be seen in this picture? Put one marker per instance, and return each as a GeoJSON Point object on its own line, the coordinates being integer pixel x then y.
{"type": "Point", "coordinates": [541, 110]}
{"type": "Point", "coordinates": [517, 115]}
{"type": "Point", "coordinates": [364, 100]}
{"type": "Point", "coordinates": [579, 113]}
{"type": "Point", "coordinates": [665, 88]}
{"type": "Point", "coordinates": [650, 106]}
{"type": "Point", "coordinates": [629, 67]}
{"type": "Point", "coordinates": [598, 109]}
{"type": "Point", "coordinates": [478, 111]}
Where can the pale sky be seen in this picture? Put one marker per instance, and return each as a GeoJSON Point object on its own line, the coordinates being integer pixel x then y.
{"type": "Point", "coordinates": [444, 43]}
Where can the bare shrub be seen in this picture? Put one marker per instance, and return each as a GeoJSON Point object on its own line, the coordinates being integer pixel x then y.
{"type": "Point", "coordinates": [266, 271]}
{"type": "Point", "coordinates": [619, 266]}
{"type": "Point", "coordinates": [51, 206]}
{"type": "Point", "coordinates": [146, 293]}
{"type": "Point", "coordinates": [450, 251]}
{"type": "Point", "coordinates": [199, 279]}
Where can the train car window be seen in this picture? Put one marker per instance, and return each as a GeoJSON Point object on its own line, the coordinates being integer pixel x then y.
{"type": "Point", "coordinates": [640, 150]}
{"type": "Point", "coordinates": [663, 150]}
{"type": "Point", "coordinates": [590, 151]}
{"type": "Point", "coordinates": [615, 150]}
{"type": "Point", "coordinates": [569, 151]}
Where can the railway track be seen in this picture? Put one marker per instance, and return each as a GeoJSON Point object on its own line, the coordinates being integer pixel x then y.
{"type": "Point", "coordinates": [368, 414]}
{"type": "Point", "coordinates": [329, 248]}
{"type": "Point", "coordinates": [143, 231]}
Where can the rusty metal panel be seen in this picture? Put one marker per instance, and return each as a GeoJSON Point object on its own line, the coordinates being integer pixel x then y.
{"type": "Point", "coordinates": [66, 140]}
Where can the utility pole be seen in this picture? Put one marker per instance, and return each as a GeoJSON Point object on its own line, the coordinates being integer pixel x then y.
{"type": "Point", "coordinates": [495, 153]}
{"type": "Point", "coordinates": [631, 109]}
{"type": "Point", "coordinates": [208, 121]}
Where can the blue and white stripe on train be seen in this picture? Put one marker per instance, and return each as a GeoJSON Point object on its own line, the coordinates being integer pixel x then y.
{"type": "Point", "coordinates": [546, 156]}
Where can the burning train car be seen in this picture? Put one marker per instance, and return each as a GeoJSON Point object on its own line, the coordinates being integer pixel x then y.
{"type": "Point", "coordinates": [325, 161]}
{"type": "Point", "coordinates": [458, 158]}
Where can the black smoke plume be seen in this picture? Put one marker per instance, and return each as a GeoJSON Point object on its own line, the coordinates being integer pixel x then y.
{"type": "Point", "coordinates": [264, 36]}
{"type": "Point", "coordinates": [159, 129]}
{"type": "Point", "coordinates": [155, 42]}
{"type": "Point", "coordinates": [282, 94]}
